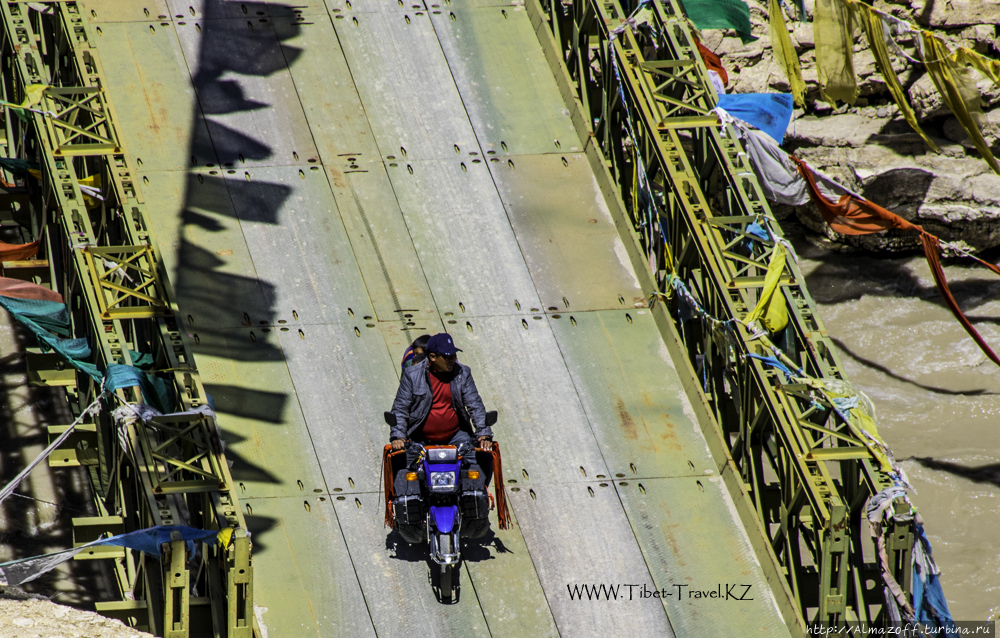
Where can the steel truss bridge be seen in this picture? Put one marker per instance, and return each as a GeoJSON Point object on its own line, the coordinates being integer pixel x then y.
{"type": "Point", "coordinates": [292, 193]}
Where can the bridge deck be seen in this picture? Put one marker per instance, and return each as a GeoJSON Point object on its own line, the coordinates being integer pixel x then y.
{"type": "Point", "coordinates": [329, 181]}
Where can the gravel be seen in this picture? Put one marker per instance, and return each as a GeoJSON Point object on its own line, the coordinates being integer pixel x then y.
{"type": "Point", "coordinates": [35, 618]}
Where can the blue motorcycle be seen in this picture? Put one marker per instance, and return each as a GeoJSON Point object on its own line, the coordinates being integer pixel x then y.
{"type": "Point", "coordinates": [441, 497]}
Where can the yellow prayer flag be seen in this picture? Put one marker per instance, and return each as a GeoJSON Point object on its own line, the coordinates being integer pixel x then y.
{"type": "Point", "coordinates": [784, 52]}
{"type": "Point", "coordinates": [958, 90]}
{"type": "Point", "coordinates": [989, 68]}
{"type": "Point", "coordinates": [872, 25]}
{"type": "Point", "coordinates": [771, 309]}
{"type": "Point", "coordinates": [833, 29]}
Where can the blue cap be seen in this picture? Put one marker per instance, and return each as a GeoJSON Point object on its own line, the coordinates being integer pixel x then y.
{"type": "Point", "coordinates": [441, 343]}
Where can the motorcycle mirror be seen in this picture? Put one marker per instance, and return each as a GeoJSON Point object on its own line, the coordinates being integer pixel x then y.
{"type": "Point", "coordinates": [491, 418]}
{"type": "Point", "coordinates": [390, 419]}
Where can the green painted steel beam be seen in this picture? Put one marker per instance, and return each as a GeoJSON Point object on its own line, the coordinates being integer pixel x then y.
{"type": "Point", "coordinates": [634, 111]}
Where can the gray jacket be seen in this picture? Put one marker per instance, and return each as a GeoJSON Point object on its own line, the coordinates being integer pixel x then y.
{"type": "Point", "coordinates": [414, 399]}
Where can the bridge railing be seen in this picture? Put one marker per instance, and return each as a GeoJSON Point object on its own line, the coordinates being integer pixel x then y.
{"type": "Point", "coordinates": [642, 102]}
{"type": "Point", "coordinates": [101, 255]}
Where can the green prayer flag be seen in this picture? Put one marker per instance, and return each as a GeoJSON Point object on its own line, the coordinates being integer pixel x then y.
{"type": "Point", "coordinates": [720, 14]}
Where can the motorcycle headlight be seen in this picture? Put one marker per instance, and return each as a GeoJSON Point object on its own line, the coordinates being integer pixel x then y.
{"type": "Point", "coordinates": [442, 480]}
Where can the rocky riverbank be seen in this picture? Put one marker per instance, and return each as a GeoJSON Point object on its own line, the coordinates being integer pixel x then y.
{"type": "Point", "coordinates": [869, 147]}
{"type": "Point", "coordinates": [34, 618]}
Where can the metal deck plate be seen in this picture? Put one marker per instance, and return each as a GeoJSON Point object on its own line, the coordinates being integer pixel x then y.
{"type": "Point", "coordinates": [106, 11]}
{"type": "Point", "coordinates": [382, 246]}
{"type": "Point", "coordinates": [247, 10]}
{"type": "Point", "coordinates": [204, 250]}
{"type": "Point", "coordinates": [298, 244]}
{"type": "Point", "coordinates": [344, 383]}
{"type": "Point", "coordinates": [342, 9]}
{"type": "Point", "coordinates": [326, 90]}
{"type": "Point", "coordinates": [505, 82]}
{"type": "Point", "coordinates": [265, 433]}
{"type": "Point", "coordinates": [304, 583]}
{"type": "Point", "coordinates": [421, 116]}
{"type": "Point", "coordinates": [507, 586]}
{"type": "Point", "coordinates": [251, 106]}
{"type": "Point", "coordinates": [633, 397]}
{"type": "Point", "coordinates": [576, 259]}
{"type": "Point", "coordinates": [395, 577]}
{"type": "Point", "coordinates": [690, 534]}
{"type": "Point", "coordinates": [520, 372]}
{"type": "Point", "coordinates": [463, 237]}
{"type": "Point", "coordinates": [158, 113]}
{"type": "Point", "coordinates": [590, 543]}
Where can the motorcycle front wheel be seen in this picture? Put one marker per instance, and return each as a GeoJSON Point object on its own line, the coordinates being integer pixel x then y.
{"type": "Point", "coordinates": [445, 582]}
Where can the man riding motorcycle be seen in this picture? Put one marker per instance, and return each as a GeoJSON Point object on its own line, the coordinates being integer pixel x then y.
{"type": "Point", "coordinates": [437, 403]}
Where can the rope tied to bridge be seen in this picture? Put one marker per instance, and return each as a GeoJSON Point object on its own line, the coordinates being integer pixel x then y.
{"type": "Point", "coordinates": [787, 179]}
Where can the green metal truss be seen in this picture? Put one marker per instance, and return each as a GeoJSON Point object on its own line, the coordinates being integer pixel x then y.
{"type": "Point", "coordinates": [103, 258]}
{"type": "Point", "coordinates": [641, 101]}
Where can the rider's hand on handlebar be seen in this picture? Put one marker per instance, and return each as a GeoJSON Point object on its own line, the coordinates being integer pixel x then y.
{"type": "Point", "coordinates": [486, 443]}
{"type": "Point", "coordinates": [398, 444]}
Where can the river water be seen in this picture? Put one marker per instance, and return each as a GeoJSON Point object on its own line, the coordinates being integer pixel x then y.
{"type": "Point", "coordinates": [937, 396]}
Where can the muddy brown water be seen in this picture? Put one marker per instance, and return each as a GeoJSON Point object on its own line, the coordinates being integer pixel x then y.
{"type": "Point", "coordinates": [937, 397]}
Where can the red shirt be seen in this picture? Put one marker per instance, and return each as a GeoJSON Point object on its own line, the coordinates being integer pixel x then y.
{"type": "Point", "coordinates": [442, 422]}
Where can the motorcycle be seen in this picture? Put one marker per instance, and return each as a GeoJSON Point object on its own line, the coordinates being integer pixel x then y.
{"type": "Point", "coordinates": [438, 501]}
